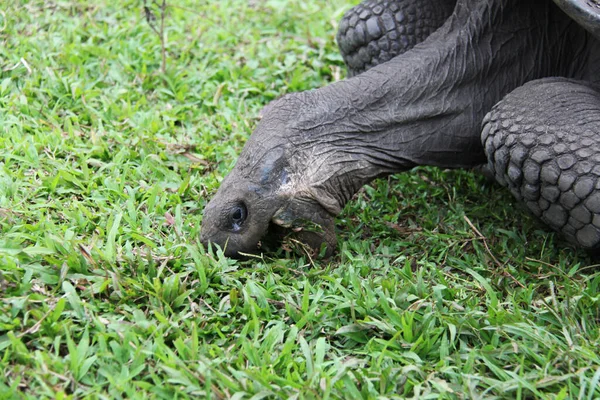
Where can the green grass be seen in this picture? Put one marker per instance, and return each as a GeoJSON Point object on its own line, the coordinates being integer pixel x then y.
{"type": "Point", "coordinates": [442, 287]}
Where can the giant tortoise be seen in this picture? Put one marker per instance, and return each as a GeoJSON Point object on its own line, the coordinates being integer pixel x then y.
{"type": "Point", "coordinates": [509, 84]}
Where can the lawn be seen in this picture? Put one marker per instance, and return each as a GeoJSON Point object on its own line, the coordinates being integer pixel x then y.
{"type": "Point", "coordinates": [443, 287]}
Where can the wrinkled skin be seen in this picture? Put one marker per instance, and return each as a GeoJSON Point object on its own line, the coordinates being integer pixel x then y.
{"type": "Point", "coordinates": [423, 102]}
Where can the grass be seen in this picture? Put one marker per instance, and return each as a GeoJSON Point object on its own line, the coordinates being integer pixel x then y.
{"type": "Point", "coordinates": [442, 286]}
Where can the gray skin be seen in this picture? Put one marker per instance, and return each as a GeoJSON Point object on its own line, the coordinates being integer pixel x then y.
{"type": "Point", "coordinates": [506, 83]}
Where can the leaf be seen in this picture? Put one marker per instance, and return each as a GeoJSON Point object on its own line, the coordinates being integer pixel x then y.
{"type": "Point", "coordinates": [37, 250]}
{"type": "Point", "coordinates": [307, 355]}
{"type": "Point", "coordinates": [352, 328]}
{"type": "Point", "coordinates": [109, 248]}
{"type": "Point", "coordinates": [73, 299]}
{"type": "Point", "coordinates": [488, 288]}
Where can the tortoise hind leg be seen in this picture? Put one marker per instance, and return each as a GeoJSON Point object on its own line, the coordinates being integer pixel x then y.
{"type": "Point", "coordinates": [375, 31]}
{"type": "Point", "coordinates": [542, 141]}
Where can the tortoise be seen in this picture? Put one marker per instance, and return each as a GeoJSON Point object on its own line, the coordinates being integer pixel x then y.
{"type": "Point", "coordinates": [508, 84]}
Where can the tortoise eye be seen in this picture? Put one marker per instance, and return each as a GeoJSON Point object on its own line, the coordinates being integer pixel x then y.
{"type": "Point", "coordinates": [237, 216]}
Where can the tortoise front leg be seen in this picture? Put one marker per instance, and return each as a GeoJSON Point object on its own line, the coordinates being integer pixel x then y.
{"type": "Point", "coordinates": [375, 31]}
{"type": "Point", "coordinates": [543, 143]}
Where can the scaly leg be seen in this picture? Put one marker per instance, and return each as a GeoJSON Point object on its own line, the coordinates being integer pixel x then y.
{"type": "Point", "coordinates": [543, 143]}
{"type": "Point", "coordinates": [375, 31]}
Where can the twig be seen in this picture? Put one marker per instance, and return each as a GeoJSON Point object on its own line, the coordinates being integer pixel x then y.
{"type": "Point", "coordinates": [36, 327]}
{"type": "Point", "coordinates": [160, 31]}
{"type": "Point", "coordinates": [26, 65]}
{"type": "Point", "coordinates": [558, 268]}
{"type": "Point", "coordinates": [208, 306]}
{"type": "Point", "coordinates": [282, 304]}
{"type": "Point", "coordinates": [487, 248]}
{"type": "Point", "coordinates": [307, 250]}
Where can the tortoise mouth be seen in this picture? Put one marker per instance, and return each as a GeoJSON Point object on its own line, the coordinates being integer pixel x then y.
{"type": "Point", "coordinates": [316, 243]}
{"type": "Point", "coordinates": [279, 240]}
{"type": "Point", "coordinates": [273, 240]}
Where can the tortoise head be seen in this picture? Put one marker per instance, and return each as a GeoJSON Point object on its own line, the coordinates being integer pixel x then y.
{"type": "Point", "coordinates": [263, 200]}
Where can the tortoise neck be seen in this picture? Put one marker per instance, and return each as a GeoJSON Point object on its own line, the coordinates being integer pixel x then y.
{"type": "Point", "coordinates": [424, 107]}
